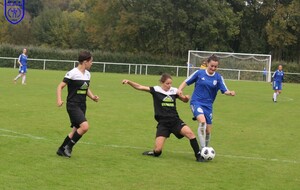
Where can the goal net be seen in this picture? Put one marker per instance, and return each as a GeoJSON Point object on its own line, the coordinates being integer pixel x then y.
{"type": "Point", "coordinates": [236, 66]}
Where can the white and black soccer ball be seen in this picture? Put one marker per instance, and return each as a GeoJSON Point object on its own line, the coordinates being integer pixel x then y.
{"type": "Point", "coordinates": [208, 153]}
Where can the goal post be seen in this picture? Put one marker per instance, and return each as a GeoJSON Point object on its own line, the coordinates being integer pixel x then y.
{"type": "Point", "coordinates": [236, 66]}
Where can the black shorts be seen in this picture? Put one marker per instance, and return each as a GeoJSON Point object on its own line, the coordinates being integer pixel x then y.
{"type": "Point", "coordinates": [76, 113]}
{"type": "Point", "coordinates": [166, 127]}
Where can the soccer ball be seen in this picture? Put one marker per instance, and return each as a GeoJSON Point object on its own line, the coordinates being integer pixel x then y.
{"type": "Point", "coordinates": [208, 153]}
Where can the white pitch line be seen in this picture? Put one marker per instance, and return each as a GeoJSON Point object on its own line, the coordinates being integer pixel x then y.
{"type": "Point", "coordinates": [12, 136]}
{"type": "Point", "coordinates": [285, 99]}
{"type": "Point", "coordinates": [21, 135]}
{"type": "Point", "coordinates": [227, 156]}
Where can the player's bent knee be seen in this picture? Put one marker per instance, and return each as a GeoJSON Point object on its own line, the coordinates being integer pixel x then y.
{"type": "Point", "coordinates": [84, 127]}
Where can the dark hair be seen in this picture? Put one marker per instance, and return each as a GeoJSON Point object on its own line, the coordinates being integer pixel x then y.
{"type": "Point", "coordinates": [213, 57]}
{"type": "Point", "coordinates": [164, 77]}
{"type": "Point", "coordinates": [84, 56]}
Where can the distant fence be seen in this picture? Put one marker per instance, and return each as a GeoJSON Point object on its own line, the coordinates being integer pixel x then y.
{"type": "Point", "coordinates": [139, 69]}
{"type": "Point", "coordinates": [105, 67]}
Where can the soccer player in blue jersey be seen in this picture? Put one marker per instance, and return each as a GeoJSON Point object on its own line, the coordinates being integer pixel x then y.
{"type": "Point", "coordinates": [207, 83]}
{"type": "Point", "coordinates": [165, 113]}
{"type": "Point", "coordinates": [22, 61]}
{"type": "Point", "coordinates": [78, 82]}
{"type": "Point", "coordinates": [277, 78]}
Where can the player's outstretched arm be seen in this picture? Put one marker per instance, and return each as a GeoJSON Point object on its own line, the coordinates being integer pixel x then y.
{"type": "Point", "coordinates": [181, 87]}
{"type": "Point", "coordinates": [95, 98]}
{"type": "Point", "coordinates": [59, 101]}
{"type": "Point", "coordinates": [136, 85]}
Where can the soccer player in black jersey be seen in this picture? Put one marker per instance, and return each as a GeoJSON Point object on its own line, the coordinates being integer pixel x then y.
{"type": "Point", "coordinates": [164, 98]}
{"type": "Point", "coordinates": [78, 82]}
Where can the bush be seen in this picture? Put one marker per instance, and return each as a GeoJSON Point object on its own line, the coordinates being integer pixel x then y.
{"type": "Point", "coordinates": [35, 52]}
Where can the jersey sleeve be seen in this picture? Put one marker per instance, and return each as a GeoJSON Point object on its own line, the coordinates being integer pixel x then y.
{"type": "Point", "coordinates": [192, 79]}
{"type": "Point", "coordinates": [152, 90]}
{"type": "Point", "coordinates": [274, 74]}
{"type": "Point", "coordinates": [67, 77]}
{"type": "Point", "coordinates": [222, 86]}
{"type": "Point", "coordinates": [66, 80]}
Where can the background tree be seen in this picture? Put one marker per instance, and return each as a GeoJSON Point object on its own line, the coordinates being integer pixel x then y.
{"type": "Point", "coordinates": [34, 8]}
{"type": "Point", "coordinates": [161, 27]}
{"type": "Point", "coordinates": [164, 26]}
{"type": "Point", "coordinates": [15, 34]}
{"type": "Point", "coordinates": [283, 30]}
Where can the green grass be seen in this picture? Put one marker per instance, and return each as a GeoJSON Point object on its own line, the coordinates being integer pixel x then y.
{"type": "Point", "coordinates": [256, 140]}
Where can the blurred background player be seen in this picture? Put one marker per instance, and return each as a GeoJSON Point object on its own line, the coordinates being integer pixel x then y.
{"type": "Point", "coordinates": [264, 74]}
{"type": "Point", "coordinates": [22, 61]}
{"type": "Point", "coordinates": [277, 78]}
{"type": "Point", "coordinates": [164, 98]}
{"type": "Point", "coordinates": [78, 82]}
{"type": "Point", "coordinates": [203, 64]}
{"type": "Point", "coordinates": [207, 83]}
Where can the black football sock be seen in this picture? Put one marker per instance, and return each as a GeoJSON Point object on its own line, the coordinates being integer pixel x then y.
{"type": "Point", "coordinates": [195, 146]}
{"type": "Point", "coordinates": [74, 139]}
{"type": "Point", "coordinates": [66, 141]}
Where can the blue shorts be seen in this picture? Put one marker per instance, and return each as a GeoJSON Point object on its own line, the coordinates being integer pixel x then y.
{"type": "Point", "coordinates": [23, 69]}
{"type": "Point", "coordinates": [198, 109]}
{"type": "Point", "coordinates": [277, 85]}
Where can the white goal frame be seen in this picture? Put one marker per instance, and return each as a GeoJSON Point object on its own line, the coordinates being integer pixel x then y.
{"type": "Point", "coordinates": [222, 55]}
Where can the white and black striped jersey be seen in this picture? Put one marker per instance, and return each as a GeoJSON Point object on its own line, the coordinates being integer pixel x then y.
{"type": "Point", "coordinates": [78, 84]}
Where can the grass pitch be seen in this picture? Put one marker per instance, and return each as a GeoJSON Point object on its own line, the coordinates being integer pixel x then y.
{"type": "Point", "coordinates": [256, 140]}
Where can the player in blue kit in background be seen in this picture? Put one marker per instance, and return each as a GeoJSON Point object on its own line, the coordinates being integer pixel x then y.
{"type": "Point", "coordinates": [207, 84]}
{"type": "Point", "coordinates": [278, 78]}
{"type": "Point", "coordinates": [22, 66]}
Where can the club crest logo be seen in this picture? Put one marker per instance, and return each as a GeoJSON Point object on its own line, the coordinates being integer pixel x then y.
{"type": "Point", "coordinates": [215, 82]}
{"type": "Point", "coordinates": [14, 10]}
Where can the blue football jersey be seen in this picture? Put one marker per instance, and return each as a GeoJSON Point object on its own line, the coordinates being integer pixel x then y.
{"type": "Point", "coordinates": [206, 86]}
{"type": "Point", "coordinates": [23, 59]}
{"type": "Point", "coordinates": [278, 76]}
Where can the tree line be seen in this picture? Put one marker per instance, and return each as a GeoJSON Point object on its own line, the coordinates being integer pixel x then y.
{"type": "Point", "coordinates": [161, 27]}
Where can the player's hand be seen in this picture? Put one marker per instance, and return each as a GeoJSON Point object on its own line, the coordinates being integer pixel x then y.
{"type": "Point", "coordinates": [95, 98]}
{"type": "Point", "coordinates": [125, 81]}
{"type": "Point", "coordinates": [60, 103]}
{"type": "Point", "coordinates": [179, 92]}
